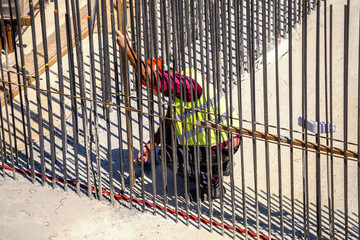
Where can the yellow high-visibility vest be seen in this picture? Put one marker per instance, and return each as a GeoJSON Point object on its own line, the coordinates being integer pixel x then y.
{"type": "Point", "coordinates": [208, 108]}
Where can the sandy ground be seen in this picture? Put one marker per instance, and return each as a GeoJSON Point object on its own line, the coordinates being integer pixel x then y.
{"type": "Point", "coordinates": [30, 211]}
{"type": "Point", "coordinates": [75, 209]}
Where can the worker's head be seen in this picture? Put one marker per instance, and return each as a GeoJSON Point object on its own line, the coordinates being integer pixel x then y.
{"type": "Point", "coordinates": [159, 65]}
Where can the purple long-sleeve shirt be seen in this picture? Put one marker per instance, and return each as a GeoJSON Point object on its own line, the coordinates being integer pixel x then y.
{"type": "Point", "coordinates": [177, 82]}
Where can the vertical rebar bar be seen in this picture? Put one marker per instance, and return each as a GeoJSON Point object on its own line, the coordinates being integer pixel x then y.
{"type": "Point", "coordinates": [93, 107]}
{"type": "Point", "coordinates": [102, 76]}
{"type": "Point", "coordinates": [4, 144]}
{"type": "Point", "coordinates": [146, 56]}
{"type": "Point", "coordinates": [300, 5]}
{"type": "Point", "coordinates": [82, 83]}
{"type": "Point", "coordinates": [4, 157]}
{"type": "Point", "coordinates": [207, 16]}
{"type": "Point", "coordinates": [160, 86]}
{"type": "Point", "coordinates": [266, 121]}
{"type": "Point", "coordinates": [116, 72]}
{"type": "Point", "coordinates": [165, 60]}
{"type": "Point", "coordinates": [345, 118]}
{"type": "Point", "coordinates": [29, 142]}
{"type": "Point", "coordinates": [38, 94]}
{"type": "Point", "coordinates": [241, 36]}
{"type": "Point", "coordinates": [125, 69]}
{"type": "Point", "coordinates": [73, 93]}
{"type": "Point", "coordinates": [18, 78]}
{"type": "Point", "coordinates": [215, 48]}
{"type": "Point", "coordinates": [194, 104]}
{"type": "Point", "coordinates": [273, 18]}
{"type": "Point", "coordinates": [155, 76]}
{"type": "Point", "coordinates": [290, 19]}
{"type": "Point", "coordinates": [12, 30]}
{"type": "Point", "coordinates": [14, 151]}
{"type": "Point", "coordinates": [7, 120]}
{"type": "Point", "coordinates": [132, 28]}
{"type": "Point", "coordinates": [48, 95]}
{"type": "Point", "coordinates": [317, 107]}
{"type": "Point", "coordinates": [2, 149]}
{"type": "Point", "coordinates": [278, 117]}
{"type": "Point", "coordinates": [152, 80]}
{"type": "Point", "coordinates": [182, 68]}
{"type": "Point", "coordinates": [239, 60]}
{"type": "Point", "coordinates": [118, 110]}
{"type": "Point", "coordinates": [331, 209]}
{"type": "Point", "coordinates": [257, 29]}
{"type": "Point", "coordinates": [358, 132]}
{"type": "Point", "coordinates": [230, 86]}
{"type": "Point", "coordinates": [121, 24]}
{"type": "Point", "coordinates": [107, 89]}
{"type": "Point", "coordinates": [286, 14]}
{"type": "Point", "coordinates": [294, 13]}
{"type": "Point", "coordinates": [250, 19]}
{"type": "Point", "coordinates": [268, 20]}
{"type": "Point", "coordinates": [277, 15]}
{"type": "Point", "coordinates": [329, 176]}
{"type": "Point", "coordinates": [61, 90]}
{"type": "Point", "coordinates": [219, 80]}
{"type": "Point", "coordinates": [173, 112]}
{"type": "Point", "coordinates": [304, 117]}
{"type": "Point", "coordinates": [139, 94]}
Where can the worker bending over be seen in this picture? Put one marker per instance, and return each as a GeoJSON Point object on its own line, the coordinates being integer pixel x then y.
{"type": "Point", "coordinates": [193, 94]}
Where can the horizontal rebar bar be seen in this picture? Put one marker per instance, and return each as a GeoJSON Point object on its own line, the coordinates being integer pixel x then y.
{"type": "Point", "coordinates": [283, 139]}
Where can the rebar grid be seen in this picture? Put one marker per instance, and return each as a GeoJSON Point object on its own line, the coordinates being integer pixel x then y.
{"type": "Point", "coordinates": [281, 181]}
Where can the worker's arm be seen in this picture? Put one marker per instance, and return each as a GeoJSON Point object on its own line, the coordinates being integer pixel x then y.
{"type": "Point", "coordinates": [132, 57]}
{"type": "Point", "coordinates": [157, 141]}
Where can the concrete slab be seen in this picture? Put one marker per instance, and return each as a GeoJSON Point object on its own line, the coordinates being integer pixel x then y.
{"type": "Point", "coordinates": [248, 162]}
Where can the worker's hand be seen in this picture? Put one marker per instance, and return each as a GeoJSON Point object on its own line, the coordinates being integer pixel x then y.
{"type": "Point", "coordinates": [146, 154]}
{"type": "Point", "coordinates": [121, 39]}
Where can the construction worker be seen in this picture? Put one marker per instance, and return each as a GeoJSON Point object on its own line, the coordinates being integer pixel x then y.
{"type": "Point", "coordinates": [193, 93]}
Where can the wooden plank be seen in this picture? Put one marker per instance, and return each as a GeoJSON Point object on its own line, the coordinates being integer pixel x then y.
{"type": "Point", "coordinates": [25, 21]}
{"type": "Point", "coordinates": [9, 38]}
{"type": "Point", "coordinates": [52, 53]}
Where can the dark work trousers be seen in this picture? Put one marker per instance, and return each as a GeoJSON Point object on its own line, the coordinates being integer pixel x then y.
{"type": "Point", "coordinates": [181, 151]}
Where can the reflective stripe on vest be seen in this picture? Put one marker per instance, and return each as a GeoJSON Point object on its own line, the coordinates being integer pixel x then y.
{"type": "Point", "coordinates": [187, 113]}
{"type": "Point", "coordinates": [192, 132]}
{"type": "Point", "coordinates": [184, 112]}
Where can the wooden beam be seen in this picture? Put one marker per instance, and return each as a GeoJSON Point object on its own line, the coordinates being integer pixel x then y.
{"type": "Point", "coordinates": [52, 61]}
{"type": "Point", "coordinates": [25, 21]}
{"type": "Point", "coordinates": [9, 37]}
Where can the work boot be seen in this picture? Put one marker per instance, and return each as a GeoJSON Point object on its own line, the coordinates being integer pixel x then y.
{"type": "Point", "coordinates": [215, 188]}
{"type": "Point", "coordinates": [215, 191]}
{"type": "Point", "coordinates": [227, 170]}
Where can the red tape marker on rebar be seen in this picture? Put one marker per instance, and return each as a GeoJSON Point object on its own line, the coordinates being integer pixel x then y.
{"type": "Point", "coordinates": [147, 203]}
